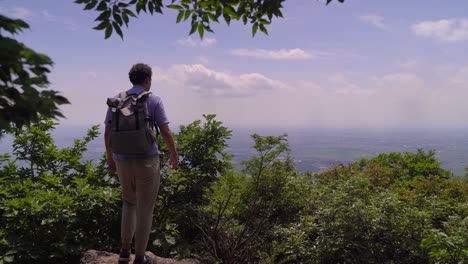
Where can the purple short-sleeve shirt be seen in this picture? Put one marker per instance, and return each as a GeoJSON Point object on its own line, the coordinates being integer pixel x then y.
{"type": "Point", "coordinates": [156, 112]}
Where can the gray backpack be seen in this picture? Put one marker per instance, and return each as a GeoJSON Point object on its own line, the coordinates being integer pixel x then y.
{"type": "Point", "coordinates": [131, 126]}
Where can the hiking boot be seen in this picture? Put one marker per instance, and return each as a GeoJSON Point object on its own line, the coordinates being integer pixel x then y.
{"type": "Point", "coordinates": [124, 256]}
{"type": "Point", "coordinates": [146, 260]}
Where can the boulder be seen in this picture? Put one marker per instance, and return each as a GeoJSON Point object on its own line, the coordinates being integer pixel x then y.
{"type": "Point", "coordinates": [102, 257]}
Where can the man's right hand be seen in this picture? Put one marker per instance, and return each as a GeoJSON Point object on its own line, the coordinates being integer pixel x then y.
{"type": "Point", "coordinates": [173, 161]}
{"type": "Point", "coordinates": [111, 167]}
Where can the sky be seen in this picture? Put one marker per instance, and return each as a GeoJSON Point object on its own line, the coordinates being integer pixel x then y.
{"type": "Point", "coordinates": [361, 64]}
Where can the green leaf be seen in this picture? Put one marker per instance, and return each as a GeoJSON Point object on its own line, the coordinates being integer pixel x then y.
{"type": "Point", "coordinates": [102, 25]}
{"type": "Point", "coordinates": [129, 12]}
{"type": "Point", "coordinates": [187, 14]}
{"type": "Point", "coordinates": [194, 28]}
{"type": "Point", "coordinates": [143, 6]}
{"type": "Point", "coordinates": [103, 16]}
{"type": "Point", "coordinates": [151, 7]}
{"type": "Point", "coordinates": [213, 17]}
{"type": "Point", "coordinates": [265, 22]}
{"type": "Point", "coordinates": [263, 29]}
{"type": "Point", "coordinates": [158, 9]}
{"type": "Point", "coordinates": [108, 31]}
{"type": "Point", "coordinates": [207, 28]}
{"type": "Point", "coordinates": [118, 30]}
{"type": "Point", "coordinates": [180, 16]}
{"type": "Point", "coordinates": [118, 19]}
{"type": "Point", "coordinates": [125, 18]}
{"type": "Point", "coordinates": [13, 26]}
{"type": "Point", "coordinates": [229, 11]}
{"type": "Point", "coordinates": [139, 7]}
{"type": "Point", "coordinates": [227, 18]}
{"type": "Point", "coordinates": [254, 29]}
{"type": "Point", "coordinates": [201, 30]}
{"type": "Point", "coordinates": [205, 18]}
{"type": "Point", "coordinates": [170, 240]}
{"type": "Point", "coordinates": [91, 5]}
{"type": "Point", "coordinates": [178, 7]}
{"type": "Point", "coordinates": [9, 259]}
{"type": "Point", "coordinates": [102, 6]}
{"type": "Point", "coordinates": [116, 9]}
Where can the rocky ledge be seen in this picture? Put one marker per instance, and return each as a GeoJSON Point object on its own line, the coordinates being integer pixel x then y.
{"type": "Point", "coordinates": [102, 257]}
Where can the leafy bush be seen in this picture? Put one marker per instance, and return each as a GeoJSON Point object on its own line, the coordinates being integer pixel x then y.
{"type": "Point", "coordinates": [245, 206]}
{"type": "Point", "coordinates": [449, 245]}
{"type": "Point", "coordinates": [394, 208]}
{"type": "Point", "coordinates": [202, 159]}
{"type": "Point", "coordinates": [53, 205]}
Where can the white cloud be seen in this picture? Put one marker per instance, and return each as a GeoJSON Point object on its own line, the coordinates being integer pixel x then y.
{"type": "Point", "coordinates": [22, 13]}
{"type": "Point", "coordinates": [460, 77]}
{"type": "Point", "coordinates": [445, 30]}
{"type": "Point", "coordinates": [190, 42]}
{"type": "Point", "coordinates": [89, 74]}
{"type": "Point", "coordinates": [44, 15]}
{"type": "Point", "coordinates": [408, 63]}
{"type": "Point", "coordinates": [394, 99]}
{"type": "Point", "coordinates": [401, 79]}
{"type": "Point", "coordinates": [202, 80]}
{"type": "Point", "coordinates": [399, 99]}
{"type": "Point", "coordinates": [206, 42]}
{"type": "Point", "coordinates": [406, 91]}
{"type": "Point", "coordinates": [374, 20]}
{"type": "Point", "coordinates": [19, 13]}
{"type": "Point", "coordinates": [343, 86]}
{"type": "Point", "coordinates": [70, 23]}
{"type": "Point", "coordinates": [282, 54]}
{"type": "Point", "coordinates": [203, 60]}
{"type": "Point", "coordinates": [344, 99]}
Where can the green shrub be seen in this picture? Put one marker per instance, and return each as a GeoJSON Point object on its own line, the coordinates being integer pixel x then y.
{"type": "Point", "coordinates": [394, 208]}
{"type": "Point", "coordinates": [246, 206]}
{"type": "Point", "coordinates": [390, 209]}
{"type": "Point", "coordinates": [54, 205]}
{"type": "Point", "coordinates": [202, 158]}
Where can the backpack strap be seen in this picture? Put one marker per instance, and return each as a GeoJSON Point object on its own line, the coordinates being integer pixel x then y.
{"type": "Point", "coordinates": [137, 99]}
{"type": "Point", "coordinates": [152, 122]}
{"type": "Point", "coordinates": [122, 96]}
{"type": "Point", "coordinates": [143, 94]}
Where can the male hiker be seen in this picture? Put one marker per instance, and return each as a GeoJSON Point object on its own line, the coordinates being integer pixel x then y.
{"type": "Point", "coordinates": [133, 155]}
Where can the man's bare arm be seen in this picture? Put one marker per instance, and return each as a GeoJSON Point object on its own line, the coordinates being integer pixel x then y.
{"type": "Point", "coordinates": [169, 141]}
{"type": "Point", "coordinates": [110, 160]}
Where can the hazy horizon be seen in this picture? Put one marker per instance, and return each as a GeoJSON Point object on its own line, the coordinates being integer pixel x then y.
{"type": "Point", "coordinates": [314, 149]}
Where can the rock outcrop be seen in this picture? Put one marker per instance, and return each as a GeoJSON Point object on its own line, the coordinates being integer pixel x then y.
{"type": "Point", "coordinates": [102, 257]}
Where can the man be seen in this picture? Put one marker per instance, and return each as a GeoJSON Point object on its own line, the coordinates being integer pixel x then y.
{"type": "Point", "coordinates": [139, 174]}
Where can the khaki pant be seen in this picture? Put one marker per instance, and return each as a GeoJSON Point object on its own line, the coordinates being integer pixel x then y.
{"type": "Point", "coordinates": [139, 179]}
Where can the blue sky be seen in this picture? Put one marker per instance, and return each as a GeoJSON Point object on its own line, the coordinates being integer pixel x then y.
{"type": "Point", "coordinates": [362, 64]}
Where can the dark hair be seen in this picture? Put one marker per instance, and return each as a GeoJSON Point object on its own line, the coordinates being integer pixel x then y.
{"type": "Point", "coordinates": [139, 73]}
